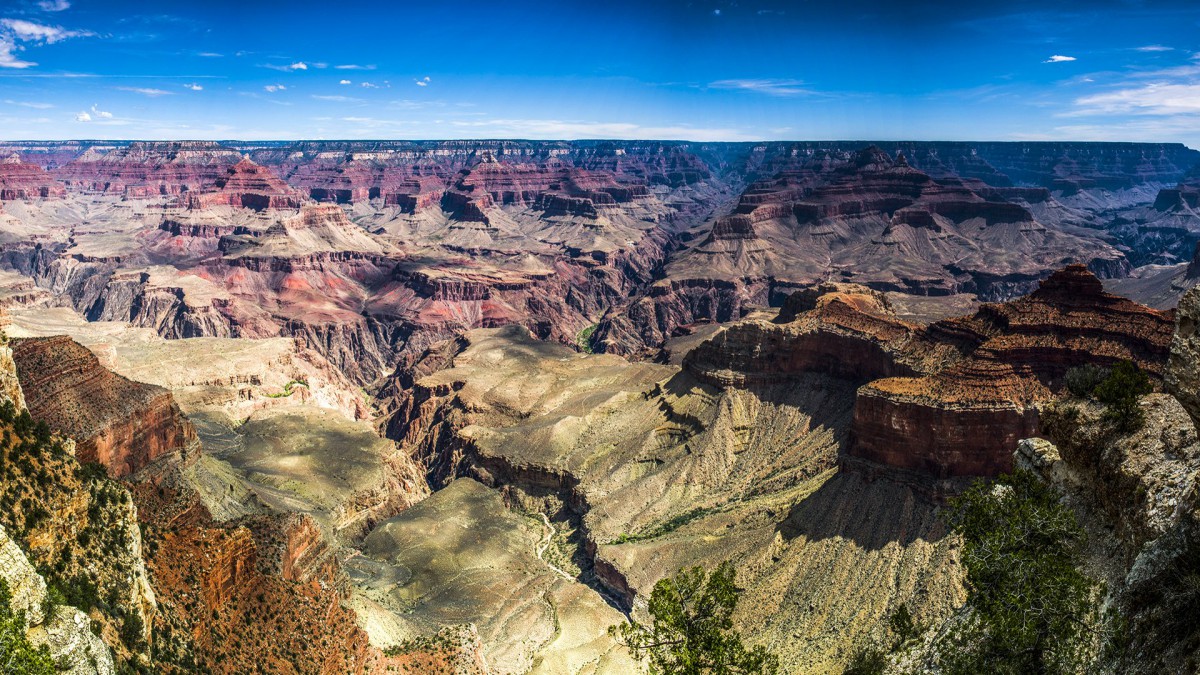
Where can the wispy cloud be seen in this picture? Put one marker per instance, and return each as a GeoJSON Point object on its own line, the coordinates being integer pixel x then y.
{"type": "Point", "coordinates": [83, 117]}
{"type": "Point", "coordinates": [770, 87]}
{"type": "Point", "coordinates": [337, 99]}
{"type": "Point", "coordinates": [54, 5]}
{"type": "Point", "coordinates": [1059, 58]}
{"type": "Point", "coordinates": [272, 88]}
{"type": "Point", "coordinates": [354, 66]}
{"type": "Point", "coordinates": [146, 91]}
{"type": "Point", "coordinates": [1151, 99]}
{"type": "Point", "coordinates": [17, 34]}
{"type": "Point", "coordinates": [1154, 48]}
{"type": "Point", "coordinates": [345, 82]}
{"type": "Point", "coordinates": [30, 104]}
{"type": "Point", "coordinates": [562, 129]}
{"type": "Point", "coordinates": [287, 68]}
{"type": "Point", "coordinates": [101, 114]}
{"type": "Point", "coordinates": [7, 58]}
{"type": "Point", "coordinates": [210, 55]}
{"type": "Point", "coordinates": [38, 33]}
{"type": "Point", "coordinates": [423, 82]}
{"type": "Point", "coordinates": [369, 85]}
{"type": "Point", "coordinates": [193, 86]}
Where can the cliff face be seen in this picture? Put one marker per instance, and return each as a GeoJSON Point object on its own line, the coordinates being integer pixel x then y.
{"type": "Point", "coordinates": [964, 420]}
{"type": "Point", "coordinates": [66, 632]}
{"type": "Point", "coordinates": [21, 180]}
{"type": "Point", "coordinates": [147, 169]}
{"type": "Point", "coordinates": [862, 217]}
{"type": "Point", "coordinates": [951, 399]}
{"type": "Point", "coordinates": [1139, 499]}
{"type": "Point", "coordinates": [246, 185]}
{"type": "Point", "coordinates": [121, 424]}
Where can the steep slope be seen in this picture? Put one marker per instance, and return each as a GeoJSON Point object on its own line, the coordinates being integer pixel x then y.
{"type": "Point", "coordinates": [647, 468]}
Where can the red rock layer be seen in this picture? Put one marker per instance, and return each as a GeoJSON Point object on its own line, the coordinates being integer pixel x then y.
{"type": "Point", "coordinates": [964, 420]}
{"type": "Point", "coordinates": [951, 399]}
{"type": "Point", "coordinates": [20, 180]}
{"type": "Point", "coordinates": [250, 186]}
{"type": "Point", "coordinates": [146, 169]}
{"type": "Point", "coordinates": [121, 424]}
{"type": "Point", "coordinates": [261, 594]}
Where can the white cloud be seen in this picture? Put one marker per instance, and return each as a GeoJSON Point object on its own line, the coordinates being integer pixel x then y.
{"type": "Point", "coordinates": [83, 117]}
{"type": "Point", "coordinates": [193, 86]}
{"type": "Point", "coordinates": [354, 66]}
{"type": "Point", "coordinates": [13, 32]}
{"type": "Point", "coordinates": [100, 114]}
{"type": "Point", "coordinates": [274, 88]}
{"type": "Point", "coordinates": [8, 59]}
{"type": "Point", "coordinates": [345, 82]}
{"type": "Point", "coordinates": [146, 91]}
{"type": "Point", "coordinates": [1155, 48]}
{"type": "Point", "coordinates": [337, 99]}
{"type": "Point", "coordinates": [560, 129]}
{"type": "Point", "coordinates": [30, 104]}
{"type": "Point", "coordinates": [54, 5]}
{"type": "Point", "coordinates": [210, 55]}
{"type": "Point", "coordinates": [770, 87]}
{"type": "Point", "coordinates": [1151, 99]}
{"type": "Point", "coordinates": [291, 67]}
{"type": "Point", "coordinates": [37, 33]}
{"type": "Point", "coordinates": [1059, 58]}
{"type": "Point", "coordinates": [368, 85]}
{"type": "Point", "coordinates": [424, 82]}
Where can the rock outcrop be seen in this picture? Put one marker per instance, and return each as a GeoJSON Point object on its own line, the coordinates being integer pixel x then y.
{"type": "Point", "coordinates": [67, 633]}
{"type": "Point", "coordinates": [246, 185]}
{"type": "Point", "coordinates": [21, 180]}
{"type": "Point", "coordinates": [121, 424]}
{"type": "Point", "coordinates": [949, 400]}
{"type": "Point", "coordinates": [1183, 375]}
{"type": "Point", "coordinates": [147, 169]}
{"type": "Point", "coordinates": [965, 420]}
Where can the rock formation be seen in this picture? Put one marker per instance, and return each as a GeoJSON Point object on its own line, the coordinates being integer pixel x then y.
{"type": "Point", "coordinates": [121, 424]}
{"type": "Point", "coordinates": [21, 180]}
{"type": "Point", "coordinates": [246, 185]}
{"type": "Point", "coordinates": [67, 633]}
{"type": "Point", "coordinates": [147, 169]}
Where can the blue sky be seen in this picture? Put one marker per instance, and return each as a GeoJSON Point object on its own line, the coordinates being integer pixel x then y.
{"type": "Point", "coordinates": [744, 70]}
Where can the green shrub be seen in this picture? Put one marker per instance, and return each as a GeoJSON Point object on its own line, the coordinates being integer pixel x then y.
{"type": "Point", "coordinates": [17, 654]}
{"type": "Point", "coordinates": [1083, 380]}
{"type": "Point", "coordinates": [1120, 392]}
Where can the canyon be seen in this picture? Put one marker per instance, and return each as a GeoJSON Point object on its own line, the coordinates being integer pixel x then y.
{"type": "Point", "coordinates": [457, 406]}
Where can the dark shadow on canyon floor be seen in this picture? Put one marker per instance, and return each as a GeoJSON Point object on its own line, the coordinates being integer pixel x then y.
{"type": "Point", "coordinates": [872, 513]}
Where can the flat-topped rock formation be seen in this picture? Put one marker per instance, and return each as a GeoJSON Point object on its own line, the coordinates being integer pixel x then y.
{"type": "Point", "coordinates": [121, 424]}
{"type": "Point", "coordinates": [965, 420]}
{"type": "Point", "coordinates": [150, 168]}
{"type": "Point", "coordinates": [22, 180]}
{"type": "Point", "coordinates": [950, 399]}
{"type": "Point", "coordinates": [246, 185]}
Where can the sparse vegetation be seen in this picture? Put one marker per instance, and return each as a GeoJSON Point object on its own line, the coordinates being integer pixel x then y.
{"type": "Point", "coordinates": [1120, 392]}
{"type": "Point", "coordinates": [1029, 607]}
{"type": "Point", "coordinates": [692, 630]}
{"type": "Point", "coordinates": [1083, 380]}
{"type": "Point", "coordinates": [667, 526]}
{"type": "Point", "coordinates": [288, 389]}
{"type": "Point", "coordinates": [17, 655]}
{"type": "Point", "coordinates": [584, 339]}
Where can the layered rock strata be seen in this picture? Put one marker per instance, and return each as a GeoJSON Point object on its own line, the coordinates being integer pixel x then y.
{"type": "Point", "coordinates": [21, 180]}
{"type": "Point", "coordinates": [121, 424]}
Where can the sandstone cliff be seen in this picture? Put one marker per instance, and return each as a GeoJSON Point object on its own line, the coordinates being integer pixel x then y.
{"type": "Point", "coordinates": [121, 424]}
